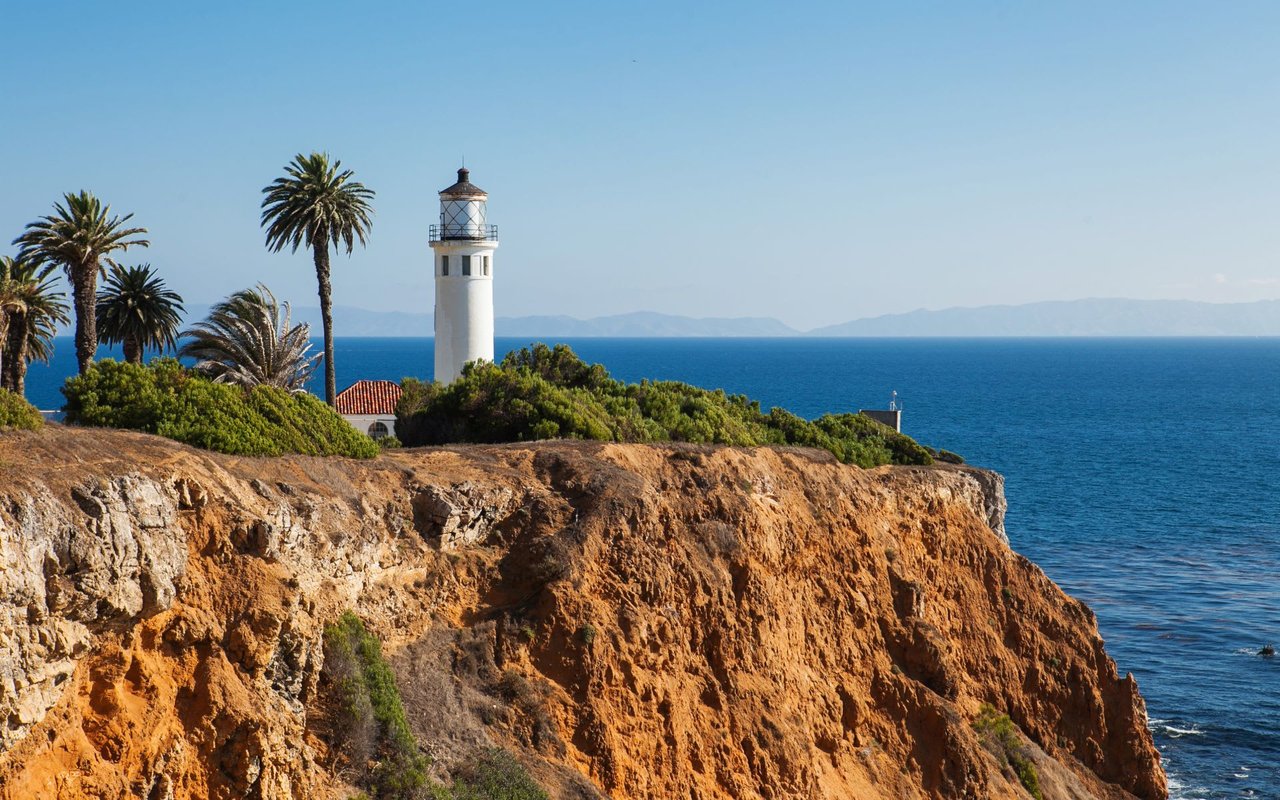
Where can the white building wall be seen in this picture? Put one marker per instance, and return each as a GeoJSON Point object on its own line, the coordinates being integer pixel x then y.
{"type": "Point", "coordinates": [464, 307]}
{"type": "Point", "coordinates": [361, 422]}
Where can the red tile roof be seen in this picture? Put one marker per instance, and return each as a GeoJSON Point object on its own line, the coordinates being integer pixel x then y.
{"type": "Point", "coordinates": [368, 397]}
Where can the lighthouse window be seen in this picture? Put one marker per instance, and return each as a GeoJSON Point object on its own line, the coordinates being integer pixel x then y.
{"type": "Point", "coordinates": [486, 265]}
{"type": "Point", "coordinates": [444, 265]}
{"type": "Point", "coordinates": [466, 265]}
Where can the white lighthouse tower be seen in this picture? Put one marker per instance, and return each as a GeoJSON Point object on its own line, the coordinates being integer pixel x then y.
{"type": "Point", "coordinates": [463, 243]}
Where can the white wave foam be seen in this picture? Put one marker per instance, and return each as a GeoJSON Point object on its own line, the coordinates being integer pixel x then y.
{"type": "Point", "coordinates": [1176, 732]}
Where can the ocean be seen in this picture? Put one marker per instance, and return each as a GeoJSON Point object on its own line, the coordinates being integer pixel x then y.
{"type": "Point", "coordinates": [1143, 476]}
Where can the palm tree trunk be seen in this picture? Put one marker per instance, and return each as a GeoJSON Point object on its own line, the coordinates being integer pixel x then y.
{"type": "Point", "coordinates": [132, 350]}
{"type": "Point", "coordinates": [321, 252]}
{"type": "Point", "coordinates": [84, 290]}
{"type": "Point", "coordinates": [16, 326]}
{"type": "Point", "coordinates": [4, 340]}
{"type": "Point", "coordinates": [15, 367]}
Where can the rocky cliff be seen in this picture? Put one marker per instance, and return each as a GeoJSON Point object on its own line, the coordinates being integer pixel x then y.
{"type": "Point", "coordinates": [630, 621]}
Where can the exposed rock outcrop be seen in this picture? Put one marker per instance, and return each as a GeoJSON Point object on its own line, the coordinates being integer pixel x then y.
{"type": "Point", "coordinates": [631, 621]}
{"type": "Point", "coordinates": [67, 576]}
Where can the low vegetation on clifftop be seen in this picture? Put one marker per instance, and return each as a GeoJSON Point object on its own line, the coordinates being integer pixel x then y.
{"type": "Point", "coordinates": [16, 412]}
{"type": "Point", "coordinates": [536, 393]}
{"type": "Point", "coordinates": [167, 399]}
{"type": "Point", "coordinates": [550, 393]}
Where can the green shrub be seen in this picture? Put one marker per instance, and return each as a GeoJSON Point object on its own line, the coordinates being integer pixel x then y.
{"type": "Point", "coordinates": [1000, 735]}
{"type": "Point", "coordinates": [995, 727]}
{"type": "Point", "coordinates": [166, 399]}
{"type": "Point", "coordinates": [550, 393]}
{"type": "Point", "coordinates": [493, 775]}
{"type": "Point", "coordinates": [947, 457]}
{"type": "Point", "coordinates": [373, 732]}
{"type": "Point", "coordinates": [16, 412]}
{"type": "Point", "coordinates": [1027, 774]}
{"type": "Point", "coordinates": [372, 723]}
{"type": "Point", "coordinates": [388, 442]}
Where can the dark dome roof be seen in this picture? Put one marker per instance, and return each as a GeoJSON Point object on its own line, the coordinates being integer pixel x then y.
{"type": "Point", "coordinates": [464, 187]}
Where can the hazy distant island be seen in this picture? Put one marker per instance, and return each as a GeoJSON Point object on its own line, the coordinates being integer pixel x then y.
{"type": "Point", "coordinates": [1091, 317]}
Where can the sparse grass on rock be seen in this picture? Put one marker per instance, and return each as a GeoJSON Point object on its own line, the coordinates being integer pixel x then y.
{"type": "Point", "coordinates": [1000, 736]}
{"type": "Point", "coordinates": [493, 775]}
{"type": "Point", "coordinates": [372, 728]}
{"type": "Point", "coordinates": [372, 731]}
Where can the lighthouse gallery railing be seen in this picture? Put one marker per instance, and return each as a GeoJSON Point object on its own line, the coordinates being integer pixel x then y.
{"type": "Point", "coordinates": [464, 232]}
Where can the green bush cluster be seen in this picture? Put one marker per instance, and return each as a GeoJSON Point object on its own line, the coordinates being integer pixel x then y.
{"type": "Point", "coordinates": [16, 412]}
{"type": "Point", "coordinates": [165, 398]}
{"type": "Point", "coordinates": [999, 734]}
{"type": "Point", "coordinates": [550, 393]}
{"type": "Point", "coordinates": [493, 775]}
{"type": "Point", "coordinates": [372, 727]}
{"type": "Point", "coordinates": [947, 457]}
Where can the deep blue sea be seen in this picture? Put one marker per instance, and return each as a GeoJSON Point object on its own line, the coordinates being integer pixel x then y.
{"type": "Point", "coordinates": [1143, 476]}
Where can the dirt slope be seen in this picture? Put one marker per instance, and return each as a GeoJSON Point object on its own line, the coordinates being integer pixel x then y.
{"type": "Point", "coordinates": [631, 621]}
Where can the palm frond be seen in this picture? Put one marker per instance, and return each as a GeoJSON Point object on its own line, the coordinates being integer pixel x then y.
{"type": "Point", "coordinates": [31, 329]}
{"type": "Point", "coordinates": [79, 235]}
{"type": "Point", "coordinates": [316, 204]}
{"type": "Point", "coordinates": [135, 305]}
{"type": "Point", "coordinates": [246, 341]}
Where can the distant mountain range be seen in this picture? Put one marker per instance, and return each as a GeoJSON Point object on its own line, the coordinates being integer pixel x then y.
{"type": "Point", "coordinates": [349, 321]}
{"type": "Point", "coordinates": [1092, 317]}
{"type": "Point", "coordinates": [642, 323]}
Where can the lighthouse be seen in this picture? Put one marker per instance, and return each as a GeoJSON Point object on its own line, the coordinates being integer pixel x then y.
{"type": "Point", "coordinates": [463, 244]}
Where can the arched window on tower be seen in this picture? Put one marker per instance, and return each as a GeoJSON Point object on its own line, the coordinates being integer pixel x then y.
{"type": "Point", "coordinates": [378, 430]}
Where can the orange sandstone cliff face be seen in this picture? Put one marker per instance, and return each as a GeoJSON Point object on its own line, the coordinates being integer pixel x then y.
{"type": "Point", "coordinates": [631, 621]}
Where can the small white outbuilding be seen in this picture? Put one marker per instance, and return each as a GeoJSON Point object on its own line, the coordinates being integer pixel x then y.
{"type": "Point", "coordinates": [370, 407]}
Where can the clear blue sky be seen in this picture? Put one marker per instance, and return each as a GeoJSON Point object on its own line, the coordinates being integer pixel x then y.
{"type": "Point", "coordinates": [815, 162]}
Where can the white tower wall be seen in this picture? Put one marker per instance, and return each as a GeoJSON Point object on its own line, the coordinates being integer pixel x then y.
{"type": "Point", "coordinates": [463, 243]}
{"type": "Point", "coordinates": [464, 306]}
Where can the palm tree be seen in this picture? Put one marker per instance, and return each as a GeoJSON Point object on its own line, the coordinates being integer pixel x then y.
{"type": "Point", "coordinates": [137, 310]}
{"type": "Point", "coordinates": [244, 341]}
{"type": "Point", "coordinates": [11, 303]}
{"type": "Point", "coordinates": [31, 330]}
{"type": "Point", "coordinates": [316, 204]}
{"type": "Point", "coordinates": [80, 236]}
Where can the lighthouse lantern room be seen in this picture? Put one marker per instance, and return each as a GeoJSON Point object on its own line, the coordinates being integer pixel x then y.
{"type": "Point", "coordinates": [463, 243]}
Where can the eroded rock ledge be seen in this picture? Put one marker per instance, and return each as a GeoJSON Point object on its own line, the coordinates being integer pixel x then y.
{"type": "Point", "coordinates": [632, 621]}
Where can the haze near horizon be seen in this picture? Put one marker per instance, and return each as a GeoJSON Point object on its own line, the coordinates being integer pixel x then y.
{"type": "Point", "coordinates": [817, 164]}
